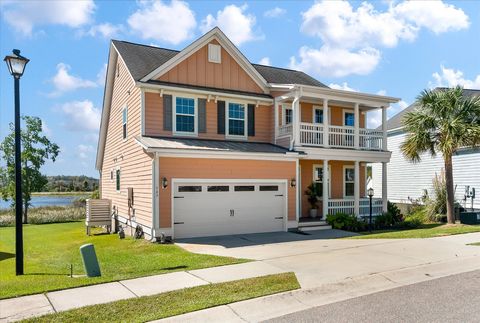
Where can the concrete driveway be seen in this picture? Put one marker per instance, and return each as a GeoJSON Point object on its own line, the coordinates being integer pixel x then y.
{"type": "Point", "coordinates": [321, 258]}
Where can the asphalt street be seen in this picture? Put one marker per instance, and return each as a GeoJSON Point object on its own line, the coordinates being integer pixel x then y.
{"type": "Point", "coordinates": [450, 299]}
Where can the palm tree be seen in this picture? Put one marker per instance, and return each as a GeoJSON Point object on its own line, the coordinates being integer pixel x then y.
{"type": "Point", "coordinates": [444, 121]}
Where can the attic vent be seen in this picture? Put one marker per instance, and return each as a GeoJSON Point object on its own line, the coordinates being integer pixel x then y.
{"type": "Point", "coordinates": [214, 53]}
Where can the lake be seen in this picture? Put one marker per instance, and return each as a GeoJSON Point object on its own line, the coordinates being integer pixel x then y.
{"type": "Point", "coordinates": [46, 200]}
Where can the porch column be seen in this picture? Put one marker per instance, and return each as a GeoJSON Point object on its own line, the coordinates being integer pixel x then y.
{"type": "Point", "coordinates": [326, 179]}
{"type": "Point", "coordinates": [384, 127]}
{"type": "Point", "coordinates": [384, 187]}
{"type": "Point", "coordinates": [326, 123]}
{"type": "Point", "coordinates": [356, 138]}
{"type": "Point", "coordinates": [276, 124]}
{"type": "Point", "coordinates": [296, 119]}
{"type": "Point", "coordinates": [356, 191]}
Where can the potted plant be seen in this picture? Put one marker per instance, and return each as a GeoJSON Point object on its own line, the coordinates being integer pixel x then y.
{"type": "Point", "coordinates": [312, 194]}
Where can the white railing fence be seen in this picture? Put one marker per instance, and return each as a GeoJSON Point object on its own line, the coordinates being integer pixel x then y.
{"type": "Point", "coordinates": [348, 206]}
{"type": "Point", "coordinates": [311, 134]}
{"type": "Point", "coordinates": [341, 137]}
{"type": "Point", "coordinates": [371, 139]}
{"type": "Point", "coordinates": [285, 130]}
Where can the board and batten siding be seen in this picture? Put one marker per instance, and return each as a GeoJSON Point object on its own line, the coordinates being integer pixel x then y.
{"type": "Point", "coordinates": [134, 164]}
{"type": "Point", "coordinates": [408, 180]}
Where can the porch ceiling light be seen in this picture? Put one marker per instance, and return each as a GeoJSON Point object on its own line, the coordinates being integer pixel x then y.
{"type": "Point", "coordinates": [164, 182]}
{"type": "Point", "coordinates": [370, 192]}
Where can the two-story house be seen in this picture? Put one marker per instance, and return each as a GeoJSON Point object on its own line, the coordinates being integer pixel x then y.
{"type": "Point", "coordinates": [207, 143]}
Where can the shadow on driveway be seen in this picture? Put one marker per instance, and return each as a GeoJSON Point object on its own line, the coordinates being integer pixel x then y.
{"type": "Point", "coordinates": [254, 239]}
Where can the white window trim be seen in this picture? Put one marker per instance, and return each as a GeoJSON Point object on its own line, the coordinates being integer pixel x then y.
{"type": "Point", "coordinates": [115, 180]}
{"type": "Point", "coordinates": [284, 114]}
{"type": "Point", "coordinates": [315, 108]}
{"type": "Point", "coordinates": [195, 115]}
{"type": "Point", "coordinates": [245, 128]}
{"type": "Point", "coordinates": [125, 109]}
{"type": "Point", "coordinates": [315, 166]}
{"type": "Point", "coordinates": [345, 182]}
{"type": "Point", "coordinates": [344, 111]}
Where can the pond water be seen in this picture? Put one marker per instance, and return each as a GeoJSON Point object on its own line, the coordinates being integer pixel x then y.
{"type": "Point", "coordinates": [47, 200]}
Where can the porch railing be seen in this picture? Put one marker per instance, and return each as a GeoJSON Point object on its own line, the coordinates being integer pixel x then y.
{"type": "Point", "coordinates": [311, 134]}
{"type": "Point", "coordinates": [285, 130]}
{"type": "Point", "coordinates": [371, 139]}
{"type": "Point", "coordinates": [341, 137]}
{"type": "Point", "coordinates": [348, 206]}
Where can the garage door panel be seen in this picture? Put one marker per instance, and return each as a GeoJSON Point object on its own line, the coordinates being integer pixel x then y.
{"type": "Point", "coordinates": [219, 210]}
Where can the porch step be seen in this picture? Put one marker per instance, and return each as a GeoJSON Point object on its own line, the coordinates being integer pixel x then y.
{"type": "Point", "coordinates": [313, 225]}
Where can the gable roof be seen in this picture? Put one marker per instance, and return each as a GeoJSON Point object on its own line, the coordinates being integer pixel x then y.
{"type": "Point", "coordinates": [279, 75]}
{"type": "Point", "coordinates": [396, 122]}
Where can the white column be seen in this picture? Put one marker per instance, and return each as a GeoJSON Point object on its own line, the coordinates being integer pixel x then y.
{"type": "Point", "coordinates": [356, 130]}
{"type": "Point", "coordinates": [298, 194]}
{"type": "Point", "coordinates": [384, 128]}
{"type": "Point", "coordinates": [276, 106]}
{"type": "Point", "coordinates": [296, 119]}
{"type": "Point", "coordinates": [326, 179]}
{"type": "Point", "coordinates": [356, 185]}
{"type": "Point", "coordinates": [326, 122]}
{"type": "Point", "coordinates": [384, 187]}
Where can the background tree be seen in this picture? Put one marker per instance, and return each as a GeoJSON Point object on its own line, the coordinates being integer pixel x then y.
{"type": "Point", "coordinates": [444, 121]}
{"type": "Point", "coordinates": [36, 150]}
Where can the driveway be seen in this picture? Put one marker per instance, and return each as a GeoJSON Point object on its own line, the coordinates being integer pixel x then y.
{"type": "Point", "coordinates": [321, 258]}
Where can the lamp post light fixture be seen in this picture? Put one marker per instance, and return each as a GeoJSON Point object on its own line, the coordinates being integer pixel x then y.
{"type": "Point", "coordinates": [16, 66]}
{"type": "Point", "coordinates": [370, 194]}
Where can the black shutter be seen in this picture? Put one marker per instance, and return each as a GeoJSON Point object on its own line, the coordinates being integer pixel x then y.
{"type": "Point", "coordinates": [251, 119]}
{"type": "Point", "coordinates": [167, 112]}
{"type": "Point", "coordinates": [202, 115]}
{"type": "Point", "coordinates": [221, 117]}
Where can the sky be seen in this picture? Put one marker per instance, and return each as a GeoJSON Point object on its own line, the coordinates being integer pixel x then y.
{"type": "Point", "coordinates": [394, 48]}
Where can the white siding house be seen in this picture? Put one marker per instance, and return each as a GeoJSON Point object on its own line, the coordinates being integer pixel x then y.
{"type": "Point", "coordinates": [407, 180]}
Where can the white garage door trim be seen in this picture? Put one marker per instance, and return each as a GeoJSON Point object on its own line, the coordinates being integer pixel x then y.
{"type": "Point", "coordinates": [176, 181]}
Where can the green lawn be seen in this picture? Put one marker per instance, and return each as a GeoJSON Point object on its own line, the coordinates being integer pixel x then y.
{"type": "Point", "coordinates": [51, 248]}
{"type": "Point", "coordinates": [425, 231]}
{"type": "Point", "coordinates": [182, 301]}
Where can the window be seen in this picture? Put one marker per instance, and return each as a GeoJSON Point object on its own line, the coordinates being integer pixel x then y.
{"type": "Point", "coordinates": [124, 123]}
{"type": "Point", "coordinates": [318, 179]}
{"type": "Point", "coordinates": [184, 115]}
{"type": "Point", "coordinates": [268, 188]}
{"type": "Point", "coordinates": [236, 119]}
{"type": "Point", "coordinates": [318, 116]}
{"type": "Point", "coordinates": [118, 179]}
{"type": "Point", "coordinates": [245, 188]}
{"type": "Point", "coordinates": [214, 53]}
{"type": "Point", "coordinates": [189, 188]}
{"type": "Point", "coordinates": [349, 181]}
{"type": "Point", "coordinates": [287, 114]}
{"type": "Point", "coordinates": [349, 119]}
{"type": "Point", "coordinates": [218, 188]}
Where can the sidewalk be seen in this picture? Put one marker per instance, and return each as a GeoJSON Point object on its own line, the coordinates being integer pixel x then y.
{"type": "Point", "coordinates": [19, 308]}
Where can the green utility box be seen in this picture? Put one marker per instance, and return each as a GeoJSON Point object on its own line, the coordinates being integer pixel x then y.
{"type": "Point", "coordinates": [90, 261]}
{"type": "Point", "coordinates": [470, 217]}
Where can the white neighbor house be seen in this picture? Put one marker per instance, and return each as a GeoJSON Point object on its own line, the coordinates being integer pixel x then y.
{"type": "Point", "coordinates": [407, 180]}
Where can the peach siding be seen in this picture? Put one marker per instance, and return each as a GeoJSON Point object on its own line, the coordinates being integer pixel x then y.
{"type": "Point", "coordinates": [336, 181]}
{"type": "Point", "coordinates": [197, 70]}
{"type": "Point", "coordinates": [135, 165]}
{"type": "Point", "coordinates": [154, 120]}
{"type": "Point", "coordinates": [221, 169]}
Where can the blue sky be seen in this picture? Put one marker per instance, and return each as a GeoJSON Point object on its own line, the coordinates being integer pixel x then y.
{"type": "Point", "coordinates": [391, 47]}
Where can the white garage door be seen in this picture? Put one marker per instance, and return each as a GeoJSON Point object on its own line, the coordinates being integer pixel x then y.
{"type": "Point", "coordinates": [224, 208]}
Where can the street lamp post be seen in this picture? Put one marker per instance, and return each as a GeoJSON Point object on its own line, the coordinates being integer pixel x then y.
{"type": "Point", "coordinates": [370, 193]}
{"type": "Point", "coordinates": [16, 66]}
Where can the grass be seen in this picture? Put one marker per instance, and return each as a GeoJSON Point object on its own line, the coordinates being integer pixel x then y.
{"type": "Point", "coordinates": [51, 248]}
{"type": "Point", "coordinates": [45, 214]}
{"type": "Point", "coordinates": [473, 244]}
{"type": "Point", "coordinates": [182, 301]}
{"type": "Point", "coordinates": [424, 231]}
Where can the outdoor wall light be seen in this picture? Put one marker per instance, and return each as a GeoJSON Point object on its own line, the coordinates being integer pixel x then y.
{"type": "Point", "coordinates": [164, 182]}
{"type": "Point", "coordinates": [293, 182]}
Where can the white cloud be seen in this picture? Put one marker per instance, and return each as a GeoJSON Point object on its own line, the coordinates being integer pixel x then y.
{"type": "Point", "coordinates": [382, 92]}
{"type": "Point", "coordinates": [101, 75]}
{"type": "Point", "coordinates": [363, 29]}
{"type": "Point", "coordinates": [46, 129]}
{"type": "Point", "coordinates": [173, 23]}
{"type": "Point", "coordinates": [85, 151]}
{"type": "Point", "coordinates": [336, 62]}
{"type": "Point", "coordinates": [374, 118]}
{"type": "Point", "coordinates": [265, 61]}
{"type": "Point", "coordinates": [234, 22]}
{"type": "Point", "coordinates": [344, 86]}
{"type": "Point", "coordinates": [106, 30]}
{"type": "Point", "coordinates": [81, 116]}
{"type": "Point", "coordinates": [24, 16]}
{"type": "Point", "coordinates": [449, 77]}
{"type": "Point", "coordinates": [275, 12]}
{"type": "Point", "coordinates": [64, 82]}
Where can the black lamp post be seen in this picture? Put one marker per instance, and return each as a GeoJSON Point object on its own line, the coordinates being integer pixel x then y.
{"type": "Point", "coordinates": [370, 193]}
{"type": "Point", "coordinates": [16, 66]}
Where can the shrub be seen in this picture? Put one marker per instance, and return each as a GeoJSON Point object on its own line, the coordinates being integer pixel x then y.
{"type": "Point", "coordinates": [437, 205]}
{"type": "Point", "coordinates": [95, 194]}
{"type": "Point", "coordinates": [414, 220]}
{"type": "Point", "coordinates": [394, 211]}
{"type": "Point", "coordinates": [343, 221]}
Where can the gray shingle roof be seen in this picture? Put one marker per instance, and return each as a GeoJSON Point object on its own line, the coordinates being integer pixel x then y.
{"type": "Point", "coordinates": [395, 122]}
{"type": "Point", "coordinates": [210, 145]}
{"type": "Point", "coordinates": [142, 59]}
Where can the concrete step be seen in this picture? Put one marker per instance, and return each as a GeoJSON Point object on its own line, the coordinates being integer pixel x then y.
{"type": "Point", "coordinates": [315, 227]}
{"type": "Point", "coordinates": [314, 223]}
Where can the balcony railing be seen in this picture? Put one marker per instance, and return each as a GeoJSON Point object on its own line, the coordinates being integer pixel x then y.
{"type": "Point", "coordinates": [285, 130]}
{"type": "Point", "coordinates": [348, 206]}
